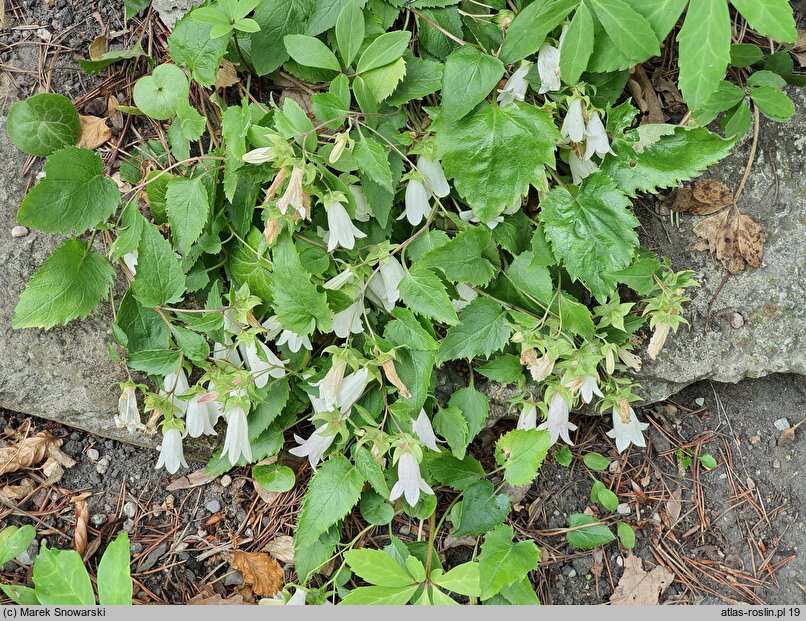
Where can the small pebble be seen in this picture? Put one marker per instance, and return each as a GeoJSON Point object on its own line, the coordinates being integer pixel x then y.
{"type": "Point", "coordinates": [213, 506]}
{"type": "Point", "coordinates": [99, 519]}
{"type": "Point", "coordinates": [129, 509]}
{"type": "Point", "coordinates": [776, 463]}
{"type": "Point", "coordinates": [136, 548]}
{"type": "Point", "coordinates": [782, 424]}
{"type": "Point", "coordinates": [183, 556]}
{"type": "Point", "coordinates": [755, 439]}
{"type": "Point", "coordinates": [103, 466]}
{"type": "Point", "coordinates": [736, 321]}
{"type": "Point", "coordinates": [572, 573]}
{"type": "Point", "coordinates": [93, 454]}
{"type": "Point", "coordinates": [699, 401]}
{"type": "Point", "coordinates": [19, 231]}
{"type": "Point", "coordinates": [240, 515]}
{"type": "Point", "coordinates": [405, 529]}
{"type": "Point", "coordinates": [623, 509]}
{"type": "Point", "coordinates": [128, 525]}
{"type": "Point", "coordinates": [619, 561]}
{"type": "Point", "coordinates": [233, 579]}
{"type": "Point", "coordinates": [226, 480]}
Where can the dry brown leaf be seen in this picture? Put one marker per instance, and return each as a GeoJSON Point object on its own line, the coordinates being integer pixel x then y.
{"type": "Point", "coordinates": [226, 76]}
{"type": "Point", "coordinates": [31, 451]}
{"type": "Point", "coordinates": [194, 479]}
{"type": "Point", "coordinates": [281, 548]}
{"type": "Point", "coordinates": [787, 436]}
{"type": "Point", "coordinates": [260, 571]}
{"type": "Point", "coordinates": [17, 492]}
{"type": "Point", "coordinates": [637, 587]}
{"type": "Point", "coordinates": [712, 192]}
{"type": "Point", "coordinates": [391, 374]}
{"type": "Point", "coordinates": [97, 47]}
{"type": "Point", "coordinates": [645, 96]}
{"type": "Point", "coordinates": [683, 201]}
{"type": "Point", "coordinates": [736, 240]}
{"type": "Point", "coordinates": [204, 599]}
{"type": "Point", "coordinates": [674, 505]}
{"type": "Point", "coordinates": [94, 132]}
{"type": "Point", "coordinates": [80, 532]}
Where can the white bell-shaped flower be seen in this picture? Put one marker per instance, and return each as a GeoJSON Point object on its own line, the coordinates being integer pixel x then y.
{"type": "Point", "coordinates": [330, 385]}
{"type": "Point", "coordinates": [580, 168]}
{"type": "Point", "coordinates": [339, 280]}
{"type": "Point", "coordinates": [596, 141]}
{"type": "Point", "coordinates": [515, 87]}
{"type": "Point", "coordinates": [433, 177]}
{"type": "Point", "coordinates": [416, 203]}
{"type": "Point", "coordinates": [199, 420]}
{"type": "Point", "coordinates": [629, 431]}
{"type": "Point", "coordinates": [383, 286]}
{"type": "Point", "coordinates": [352, 387]}
{"type": "Point", "coordinates": [294, 341]}
{"type": "Point", "coordinates": [262, 369]}
{"type": "Point", "coordinates": [175, 385]}
{"type": "Point", "coordinates": [172, 455]}
{"type": "Point", "coordinates": [466, 296]}
{"type": "Point", "coordinates": [236, 442]}
{"type": "Point", "coordinates": [409, 480]}
{"type": "Point", "coordinates": [422, 428]}
{"type": "Point", "coordinates": [261, 155]}
{"type": "Point", "coordinates": [293, 197]}
{"type": "Point", "coordinates": [349, 320]}
{"type": "Point", "coordinates": [528, 417]}
{"type": "Point", "coordinates": [468, 216]}
{"type": "Point", "coordinates": [548, 68]}
{"type": "Point", "coordinates": [589, 387]}
{"type": "Point", "coordinates": [557, 421]}
{"type": "Point", "coordinates": [363, 210]}
{"type": "Point", "coordinates": [341, 230]}
{"type": "Point", "coordinates": [314, 447]}
{"type": "Point", "coordinates": [128, 415]}
{"type": "Point", "coordinates": [573, 127]}
{"type": "Point", "coordinates": [130, 260]}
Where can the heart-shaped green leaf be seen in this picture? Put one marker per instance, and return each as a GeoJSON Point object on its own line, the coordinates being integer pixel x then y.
{"type": "Point", "coordinates": [43, 124]}
{"type": "Point", "coordinates": [160, 94]}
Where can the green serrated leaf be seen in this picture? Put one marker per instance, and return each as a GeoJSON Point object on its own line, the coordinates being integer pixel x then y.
{"type": "Point", "coordinates": [92, 67]}
{"type": "Point", "coordinates": [704, 42]}
{"type": "Point", "coordinates": [474, 406]}
{"type": "Point", "coordinates": [68, 285]}
{"type": "Point", "coordinates": [423, 77]}
{"type": "Point", "coordinates": [462, 579]}
{"type": "Point", "coordinates": [461, 259]}
{"type": "Point", "coordinates": [373, 159]}
{"type": "Point", "coordinates": [310, 52]}
{"type": "Point", "coordinates": [528, 30]}
{"type": "Point", "coordinates": [188, 207]}
{"type": "Point", "coordinates": [577, 46]}
{"type": "Point", "coordinates": [382, 81]}
{"type": "Point", "coordinates": [482, 509]}
{"type": "Point", "coordinates": [501, 562]}
{"type": "Point", "coordinates": [451, 425]}
{"type": "Point", "coordinates": [378, 568]}
{"type": "Point", "coordinates": [520, 452]}
{"type": "Point", "coordinates": [424, 293]}
{"type": "Point", "coordinates": [43, 124]}
{"type": "Point", "coordinates": [459, 474]}
{"type": "Point", "coordinates": [468, 78]}
{"type": "Point", "coordinates": [629, 31]}
{"type": "Point", "coordinates": [385, 49]}
{"type": "Point", "coordinates": [191, 46]}
{"type": "Point", "coordinates": [773, 18]}
{"type": "Point", "coordinates": [371, 471]}
{"type": "Point", "coordinates": [159, 279]}
{"type": "Point", "coordinates": [60, 579]}
{"type": "Point", "coordinates": [379, 596]}
{"type": "Point", "coordinates": [160, 94]}
{"type": "Point", "coordinates": [506, 369]}
{"type": "Point", "coordinates": [482, 330]}
{"type": "Point", "coordinates": [773, 103]}
{"type": "Point", "coordinates": [350, 31]}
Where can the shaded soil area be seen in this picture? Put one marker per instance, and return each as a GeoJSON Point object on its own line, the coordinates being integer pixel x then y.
{"type": "Point", "coordinates": [731, 534]}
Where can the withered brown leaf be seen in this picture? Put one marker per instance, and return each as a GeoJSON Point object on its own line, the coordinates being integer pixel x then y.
{"type": "Point", "coordinates": [281, 548]}
{"type": "Point", "coordinates": [259, 570]}
{"type": "Point", "coordinates": [736, 240]}
{"type": "Point", "coordinates": [30, 451]}
{"type": "Point", "coordinates": [226, 76]}
{"type": "Point", "coordinates": [638, 587]}
{"type": "Point", "coordinates": [94, 132]}
{"type": "Point", "coordinates": [712, 192]}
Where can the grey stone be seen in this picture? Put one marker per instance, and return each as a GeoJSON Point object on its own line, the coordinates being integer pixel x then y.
{"type": "Point", "coordinates": [93, 454]}
{"type": "Point", "coordinates": [19, 231]}
{"type": "Point", "coordinates": [213, 506]}
{"type": "Point", "coordinates": [170, 11]}
{"type": "Point", "coordinates": [130, 509]}
{"type": "Point", "coordinates": [99, 519]}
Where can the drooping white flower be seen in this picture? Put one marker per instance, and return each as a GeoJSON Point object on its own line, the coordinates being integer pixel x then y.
{"type": "Point", "coordinates": [515, 87]}
{"type": "Point", "coordinates": [128, 415]}
{"type": "Point", "coordinates": [236, 442]}
{"type": "Point", "coordinates": [175, 385]}
{"type": "Point", "coordinates": [409, 480]}
{"type": "Point", "coordinates": [293, 196]}
{"type": "Point", "coordinates": [466, 296]}
{"type": "Point", "coordinates": [341, 230]}
{"type": "Point", "coordinates": [422, 428]}
{"type": "Point", "coordinates": [630, 359]}
{"type": "Point", "coordinates": [383, 286]}
{"type": "Point", "coordinates": [596, 141]}
{"type": "Point", "coordinates": [528, 417]}
{"type": "Point", "coordinates": [349, 320]}
{"type": "Point", "coordinates": [363, 210]}
{"type": "Point", "coordinates": [548, 68]}
{"type": "Point", "coordinates": [589, 387]}
{"type": "Point", "coordinates": [339, 280]}
{"type": "Point", "coordinates": [580, 168]}
{"type": "Point", "coordinates": [352, 387]}
{"type": "Point", "coordinates": [468, 216]}
{"type": "Point", "coordinates": [261, 369]}
{"type": "Point", "coordinates": [417, 207]}
{"type": "Point", "coordinates": [199, 420]}
{"type": "Point", "coordinates": [314, 447]}
{"type": "Point", "coordinates": [298, 598]}
{"type": "Point", "coordinates": [171, 454]}
{"type": "Point", "coordinates": [539, 367]}
{"type": "Point", "coordinates": [433, 177]}
{"type": "Point", "coordinates": [573, 126]}
{"type": "Point", "coordinates": [130, 260]}
{"type": "Point", "coordinates": [294, 341]}
{"type": "Point", "coordinates": [227, 352]}
{"type": "Point", "coordinates": [627, 429]}
{"type": "Point", "coordinates": [330, 385]}
{"type": "Point", "coordinates": [272, 327]}
{"type": "Point", "coordinates": [261, 155]}
{"type": "Point", "coordinates": [557, 421]}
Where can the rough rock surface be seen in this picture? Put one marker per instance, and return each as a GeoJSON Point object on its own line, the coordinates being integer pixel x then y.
{"type": "Point", "coordinates": [757, 324]}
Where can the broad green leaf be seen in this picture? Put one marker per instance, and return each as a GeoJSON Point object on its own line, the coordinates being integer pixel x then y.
{"type": "Point", "coordinates": [15, 540]}
{"type": "Point", "coordinates": [159, 279]}
{"type": "Point", "coordinates": [592, 232]}
{"type": "Point", "coordinates": [75, 194]}
{"type": "Point", "coordinates": [379, 596]}
{"type": "Point", "coordinates": [563, 456]}
{"type": "Point", "coordinates": [704, 42]}
{"type": "Point", "coordinates": [520, 452]}
{"type": "Point", "coordinates": [708, 461]}
{"type": "Point", "coordinates": [506, 369]}
{"type": "Point", "coordinates": [451, 425]}
{"type": "Point", "coordinates": [92, 67]}
{"type": "Point", "coordinates": [745, 54]}
{"type": "Point", "coordinates": [773, 103]}
{"type": "Point", "coordinates": [375, 509]}
{"type": "Point", "coordinates": [494, 154]}
{"type": "Point", "coordinates": [626, 535]}
{"type": "Point", "coordinates": [532, 280]}
{"type": "Point", "coordinates": [332, 493]}
{"type": "Point", "coordinates": [299, 305]}
{"type": "Point", "coordinates": [382, 81]}
{"type": "Point", "coordinates": [129, 232]}
{"type": "Point", "coordinates": [160, 94]}
{"type": "Point", "coordinates": [22, 595]}
{"type": "Point", "coordinates": [456, 473]}
{"type": "Point", "coordinates": [608, 499]}
{"type": "Point", "coordinates": [482, 509]}
{"type": "Point", "coordinates": [639, 276]}
{"type": "Point", "coordinates": [407, 329]}
{"type": "Point", "coordinates": [188, 207]}
{"type": "Point", "coordinates": [462, 579]}
{"type": "Point", "coordinates": [677, 156]}
{"type": "Point", "coordinates": [474, 407]}
{"type": "Point", "coordinates": [424, 293]}
{"type": "Point", "coordinates": [60, 579]}
{"type": "Point", "coordinates": [501, 562]}
{"type": "Point", "coordinates": [586, 537]}
{"type": "Point", "coordinates": [268, 410]}
{"type": "Point", "coordinates": [661, 14]}
{"type": "Point", "coordinates": [482, 330]}
{"type": "Point", "coordinates": [373, 159]}
{"type": "Point", "coordinates": [629, 31]}
{"type": "Point", "coordinates": [462, 260]}
{"type": "Point", "coordinates": [155, 361]}
{"type": "Point", "coordinates": [191, 46]}
{"type": "Point", "coordinates": [468, 78]}
{"type": "Point", "coordinates": [192, 344]}
{"type": "Point", "coordinates": [310, 52]}
{"type": "Point", "coordinates": [68, 285]}
{"type": "Point", "coordinates": [133, 7]}
{"type": "Point", "coordinates": [114, 579]}
{"type": "Point", "coordinates": [278, 18]}
{"type": "Point", "coordinates": [773, 18]}
{"type": "Point", "coordinates": [423, 77]}
{"type": "Point", "coordinates": [274, 477]}
{"type": "Point", "coordinates": [596, 462]}
{"type": "Point", "coordinates": [235, 123]}
{"type": "Point", "coordinates": [385, 49]}
{"type": "Point", "coordinates": [378, 568]}
{"type": "Point", "coordinates": [738, 121]}
{"type": "Point", "coordinates": [528, 30]}
{"type": "Point", "coordinates": [250, 267]}
{"type": "Point", "coordinates": [431, 28]}
{"type": "Point", "coordinates": [577, 46]}
{"type": "Point", "coordinates": [349, 32]}
{"type": "Point", "coordinates": [520, 593]}
{"type": "Point", "coordinates": [43, 124]}
{"type": "Point", "coordinates": [312, 556]}
{"type": "Point", "coordinates": [370, 470]}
